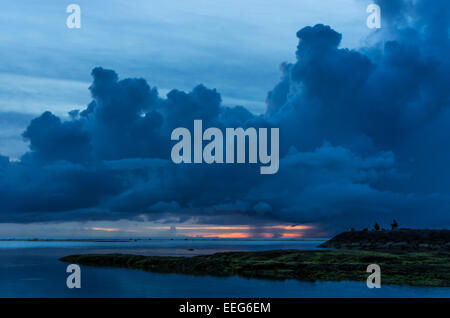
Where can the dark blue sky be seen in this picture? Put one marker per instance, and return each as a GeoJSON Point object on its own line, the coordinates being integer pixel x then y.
{"type": "Point", "coordinates": [363, 131]}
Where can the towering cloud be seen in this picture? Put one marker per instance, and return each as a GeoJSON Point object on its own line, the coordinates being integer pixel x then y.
{"type": "Point", "coordinates": [364, 135]}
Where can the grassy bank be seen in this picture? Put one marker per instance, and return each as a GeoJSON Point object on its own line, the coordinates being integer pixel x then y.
{"type": "Point", "coordinates": [412, 240]}
{"type": "Point", "coordinates": [412, 268]}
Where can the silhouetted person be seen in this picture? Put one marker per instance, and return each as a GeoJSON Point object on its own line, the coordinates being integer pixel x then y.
{"type": "Point", "coordinates": [376, 227]}
{"type": "Point", "coordinates": [394, 224]}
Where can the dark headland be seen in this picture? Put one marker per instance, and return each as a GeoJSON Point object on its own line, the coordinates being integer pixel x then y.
{"type": "Point", "coordinates": [402, 239]}
{"type": "Point", "coordinates": [406, 257]}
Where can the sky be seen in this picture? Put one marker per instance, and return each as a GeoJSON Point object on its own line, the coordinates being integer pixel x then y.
{"type": "Point", "coordinates": [172, 43]}
{"type": "Point", "coordinates": [362, 116]}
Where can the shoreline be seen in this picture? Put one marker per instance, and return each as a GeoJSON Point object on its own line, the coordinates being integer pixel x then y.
{"type": "Point", "coordinates": [406, 257]}
{"type": "Point", "coordinates": [426, 269]}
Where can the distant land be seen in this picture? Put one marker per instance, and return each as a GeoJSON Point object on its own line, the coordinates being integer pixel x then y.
{"type": "Point", "coordinates": [425, 263]}
{"type": "Point", "coordinates": [401, 239]}
{"type": "Point", "coordinates": [137, 239]}
{"type": "Point", "coordinates": [106, 240]}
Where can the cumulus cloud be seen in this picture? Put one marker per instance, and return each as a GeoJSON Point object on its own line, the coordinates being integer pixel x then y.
{"type": "Point", "coordinates": [363, 136]}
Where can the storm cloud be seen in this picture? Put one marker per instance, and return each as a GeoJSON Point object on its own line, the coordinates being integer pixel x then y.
{"type": "Point", "coordinates": [363, 134]}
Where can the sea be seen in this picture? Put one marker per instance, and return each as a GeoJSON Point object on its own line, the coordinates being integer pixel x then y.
{"type": "Point", "coordinates": [30, 268]}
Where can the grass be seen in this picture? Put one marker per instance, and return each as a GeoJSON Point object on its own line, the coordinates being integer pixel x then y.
{"type": "Point", "coordinates": [401, 268]}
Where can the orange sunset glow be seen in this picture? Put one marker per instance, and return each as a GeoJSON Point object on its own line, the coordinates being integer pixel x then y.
{"type": "Point", "coordinates": [207, 231]}
{"type": "Point", "coordinates": [242, 231]}
{"type": "Point", "coordinates": [233, 235]}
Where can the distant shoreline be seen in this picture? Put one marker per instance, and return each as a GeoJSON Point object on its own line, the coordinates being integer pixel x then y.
{"type": "Point", "coordinates": [106, 240]}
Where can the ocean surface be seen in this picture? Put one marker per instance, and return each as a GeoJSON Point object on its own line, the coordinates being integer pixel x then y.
{"type": "Point", "coordinates": [32, 269]}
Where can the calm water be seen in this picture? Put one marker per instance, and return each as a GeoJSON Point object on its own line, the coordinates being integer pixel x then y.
{"type": "Point", "coordinates": [32, 269]}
